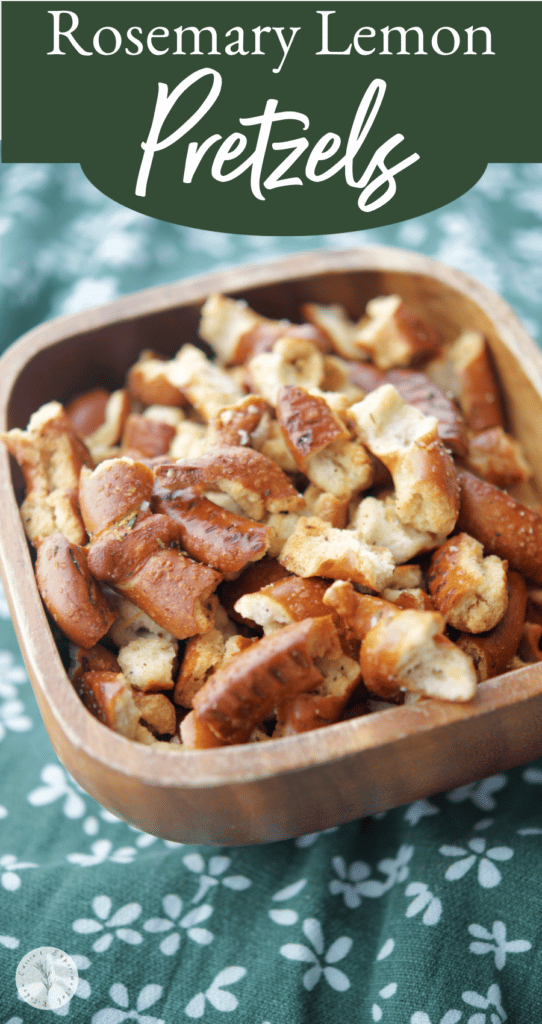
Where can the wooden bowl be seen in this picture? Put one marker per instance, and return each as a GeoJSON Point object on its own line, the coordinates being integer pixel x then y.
{"type": "Point", "coordinates": [264, 792]}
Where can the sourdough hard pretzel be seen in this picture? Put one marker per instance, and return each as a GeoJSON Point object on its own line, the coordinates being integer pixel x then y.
{"type": "Point", "coordinates": [138, 553]}
{"type": "Point", "coordinates": [291, 361]}
{"type": "Point", "coordinates": [249, 477]}
{"type": "Point", "coordinates": [281, 603]}
{"type": "Point", "coordinates": [212, 535]}
{"type": "Point", "coordinates": [318, 549]}
{"type": "Point", "coordinates": [497, 458]}
{"type": "Point", "coordinates": [306, 711]}
{"type": "Point", "coordinates": [146, 436]}
{"type": "Point", "coordinates": [70, 593]}
{"type": "Point", "coordinates": [248, 689]}
{"type": "Point", "coordinates": [493, 651]}
{"type": "Point", "coordinates": [86, 412]}
{"type": "Point", "coordinates": [237, 333]}
{"type": "Point", "coordinates": [393, 334]}
{"type": "Point", "coordinates": [376, 521]}
{"type": "Point", "coordinates": [321, 444]}
{"type": "Point", "coordinates": [246, 421]}
{"type": "Point", "coordinates": [468, 589]}
{"type": "Point", "coordinates": [109, 698]}
{"type": "Point", "coordinates": [407, 442]}
{"type": "Point", "coordinates": [479, 395]}
{"type": "Point", "coordinates": [503, 525]}
{"type": "Point", "coordinates": [51, 455]}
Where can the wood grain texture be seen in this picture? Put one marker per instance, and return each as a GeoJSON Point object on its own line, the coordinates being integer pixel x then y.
{"type": "Point", "coordinates": [265, 792]}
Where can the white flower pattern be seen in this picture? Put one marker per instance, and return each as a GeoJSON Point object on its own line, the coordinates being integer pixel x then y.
{"type": "Point", "coordinates": [57, 786]}
{"type": "Point", "coordinates": [481, 793]}
{"type": "Point", "coordinates": [312, 931]}
{"type": "Point", "coordinates": [492, 999]}
{"type": "Point", "coordinates": [488, 873]}
{"type": "Point", "coordinates": [418, 810]}
{"type": "Point", "coordinates": [451, 1017]}
{"type": "Point", "coordinates": [173, 906]}
{"type": "Point", "coordinates": [348, 884]}
{"type": "Point", "coordinates": [496, 942]}
{"type": "Point", "coordinates": [210, 875]}
{"type": "Point", "coordinates": [424, 900]}
{"type": "Point", "coordinates": [101, 851]}
{"type": "Point", "coordinates": [83, 990]}
{"type": "Point", "coordinates": [286, 915]}
{"type": "Point", "coordinates": [396, 869]}
{"type": "Point", "coordinates": [217, 994]}
{"type": "Point", "coordinates": [118, 992]}
{"type": "Point", "coordinates": [118, 922]}
{"type": "Point", "coordinates": [385, 993]}
{"type": "Point", "coordinates": [9, 866]}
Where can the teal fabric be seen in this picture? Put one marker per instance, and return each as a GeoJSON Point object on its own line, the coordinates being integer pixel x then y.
{"type": "Point", "coordinates": [428, 914]}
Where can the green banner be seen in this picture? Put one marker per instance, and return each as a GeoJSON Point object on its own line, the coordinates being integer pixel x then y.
{"type": "Point", "coordinates": [273, 118]}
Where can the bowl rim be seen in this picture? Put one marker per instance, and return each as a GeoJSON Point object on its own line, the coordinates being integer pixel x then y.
{"type": "Point", "coordinates": [172, 766]}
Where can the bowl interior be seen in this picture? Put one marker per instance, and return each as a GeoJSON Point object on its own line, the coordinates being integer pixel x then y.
{"type": "Point", "coordinates": [391, 750]}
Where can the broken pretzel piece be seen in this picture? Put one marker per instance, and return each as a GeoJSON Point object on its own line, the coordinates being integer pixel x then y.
{"type": "Point", "coordinates": [116, 494]}
{"type": "Point", "coordinates": [102, 441]}
{"type": "Point", "coordinates": [419, 390]}
{"type": "Point", "coordinates": [248, 689]}
{"type": "Point", "coordinates": [86, 412]}
{"type": "Point", "coordinates": [149, 662]}
{"type": "Point", "coordinates": [306, 711]}
{"type": "Point", "coordinates": [393, 335]}
{"type": "Point", "coordinates": [321, 445]}
{"type": "Point", "coordinates": [503, 525]}
{"type": "Point", "coordinates": [250, 478]}
{"type": "Point", "coordinates": [410, 597]}
{"type": "Point", "coordinates": [291, 361]}
{"type": "Point", "coordinates": [479, 395]}
{"type": "Point", "coordinates": [308, 423]}
{"type": "Point", "coordinates": [95, 659]}
{"type": "Point", "coordinates": [493, 651]}
{"type": "Point", "coordinates": [407, 442]}
{"type": "Point", "coordinates": [245, 422]}
{"type": "Point", "coordinates": [149, 380]}
{"type": "Point", "coordinates": [189, 378]}
{"type": "Point", "coordinates": [109, 698]}
{"type": "Point", "coordinates": [326, 506]}
{"type": "Point", "coordinates": [70, 593]}
{"type": "Point", "coordinates": [146, 437]}
{"type": "Point", "coordinates": [318, 549]}
{"type": "Point", "coordinates": [408, 651]}
{"type": "Point", "coordinates": [469, 590]}
{"type": "Point", "coordinates": [137, 553]}
{"type": "Point", "coordinates": [203, 656]}
{"type": "Point", "coordinates": [237, 333]}
{"type": "Point", "coordinates": [212, 535]}
{"type": "Point", "coordinates": [133, 623]}
{"type": "Point", "coordinates": [494, 456]}
{"type": "Point", "coordinates": [175, 591]}
{"type": "Point", "coordinates": [333, 322]}
{"type": "Point", "coordinates": [403, 649]}
{"type": "Point", "coordinates": [283, 602]}
{"type": "Point", "coordinates": [50, 454]}
{"type": "Point", "coordinates": [156, 712]}
{"type": "Point", "coordinates": [376, 522]}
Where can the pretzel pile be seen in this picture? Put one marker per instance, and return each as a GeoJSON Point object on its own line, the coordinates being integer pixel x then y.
{"type": "Point", "coordinates": [313, 526]}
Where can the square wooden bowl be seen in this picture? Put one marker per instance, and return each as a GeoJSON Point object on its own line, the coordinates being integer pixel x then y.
{"type": "Point", "coordinates": [264, 792]}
